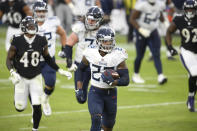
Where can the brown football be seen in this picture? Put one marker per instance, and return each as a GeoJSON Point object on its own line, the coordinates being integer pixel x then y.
{"type": "Point", "coordinates": [114, 74]}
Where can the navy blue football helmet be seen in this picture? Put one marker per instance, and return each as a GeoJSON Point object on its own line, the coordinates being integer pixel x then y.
{"type": "Point", "coordinates": [190, 8]}
{"type": "Point", "coordinates": [28, 25]}
{"type": "Point", "coordinates": [40, 11]}
{"type": "Point", "coordinates": [93, 18]}
{"type": "Point", "coordinates": [105, 38]}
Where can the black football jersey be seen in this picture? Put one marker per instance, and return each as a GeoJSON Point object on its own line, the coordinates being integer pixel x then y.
{"type": "Point", "coordinates": [27, 58]}
{"type": "Point", "coordinates": [14, 13]}
{"type": "Point", "coordinates": [188, 32]}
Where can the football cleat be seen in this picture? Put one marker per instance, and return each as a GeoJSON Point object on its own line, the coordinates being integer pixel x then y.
{"type": "Point", "coordinates": [46, 106]}
{"type": "Point", "coordinates": [137, 79]}
{"type": "Point", "coordinates": [162, 79]}
{"type": "Point", "coordinates": [190, 103]}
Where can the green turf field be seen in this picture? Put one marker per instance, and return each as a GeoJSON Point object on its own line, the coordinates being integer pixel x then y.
{"type": "Point", "coordinates": [147, 107]}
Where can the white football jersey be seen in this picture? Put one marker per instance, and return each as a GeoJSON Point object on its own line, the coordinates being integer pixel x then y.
{"type": "Point", "coordinates": [49, 29]}
{"type": "Point", "coordinates": [149, 18]}
{"type": "Point", "coordinates": [86, 38]}
{"type": "Point", "coordinates": [82, 6]}
{"type": "Point", "coordinates": [98, 63]}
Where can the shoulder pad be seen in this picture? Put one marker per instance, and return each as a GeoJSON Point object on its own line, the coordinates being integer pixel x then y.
{"type": "Point", "coordinates": [55, 20]}
{"type": "Point", "coordinates": [78, 27]}
{"type": "Point", "coordinates": [121, 52]}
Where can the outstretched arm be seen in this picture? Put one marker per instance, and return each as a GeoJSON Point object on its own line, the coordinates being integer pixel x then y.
{"type": "Point", "coordinates": [61, 32]}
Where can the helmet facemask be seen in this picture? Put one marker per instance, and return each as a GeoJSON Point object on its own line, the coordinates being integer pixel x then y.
{"type": "Point", "coordinates": [190, 8]}
{"type": "Point", "coordinates": [40, 11]}
{"type": "Point", "coordinates": [91, 22]}
{"type": "Point", "coordinates": [106, 45]}
{"type": "Point", "coordinates": [190, 13]}
{"type": "Point", "coordinates": [29, 26]}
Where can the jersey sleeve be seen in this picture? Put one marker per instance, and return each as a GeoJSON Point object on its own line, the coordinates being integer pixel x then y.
{"type": "Point", "coordinates": [89, 53]}
{"type": "Point", "coordinates": [78, 28]}
{"type": "Point", "coordinates": [177, 19]}
{"type": "Point", "coordinates": [139, 5]}
{"type": "Point", "coordinates": [44, 41]}
{"type": "Point", "coordinates": [55, 20]}
{"type": "Point", "coordinates": [120, 55]}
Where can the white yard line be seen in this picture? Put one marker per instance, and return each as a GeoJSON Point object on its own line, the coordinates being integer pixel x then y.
{"type": "Point", "coordinates": [85, 110]}
{"type": "Point", "coordinates": [146, 90]}
{"type": "Point", "coordinates": [31, 128]}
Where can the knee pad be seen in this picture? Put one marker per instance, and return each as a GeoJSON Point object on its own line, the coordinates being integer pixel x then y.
{"type": "Point", "coordinates": [96, 122]}
{"type": "Point", "coordinates": [108, 123]}
{"type": "Point", "coordinates": [48, 91]}
{"type": "Point", "coordinates": [19, 106]}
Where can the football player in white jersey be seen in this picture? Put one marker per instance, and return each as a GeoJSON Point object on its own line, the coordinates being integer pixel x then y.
{"type": "Point", "coordinates": [48, 27]}
{"type": "Point", "coordinates": [84, 34]}
{"type": "Point", "coordinates": [145, 19]}
{"type": "Point", "coordinates": [102, 96]}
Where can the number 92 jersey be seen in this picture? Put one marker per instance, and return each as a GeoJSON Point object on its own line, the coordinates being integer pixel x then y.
{"type": "Point", "coordinates": [98, 63]}
{"type": "Point", "coordinates": [188, 32]}
{"type": "Point", "coordinates": [48, 29]}
{"type": "Point", "coordinates": [149, 18]}
{"type": "Point", "coordinates": [27, 57]}
{"type": "Point", "coordinates": [85, 38]}
{"type": "Point", "coordinates": [14, 14]}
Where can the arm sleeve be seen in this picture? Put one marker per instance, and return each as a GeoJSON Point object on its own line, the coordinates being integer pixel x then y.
{"type": "Point", "coordinates": [81, 68]}
{"type": "Point", "coordinates": [124, 77]}
{"type": "Point", "coordinates": [50, 62]}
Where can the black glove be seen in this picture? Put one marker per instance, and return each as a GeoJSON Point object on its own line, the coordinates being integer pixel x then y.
{"type": "Point", "coordinates": [107, 78]}
{"type": "Point", "coordinates": [80, 94]}
{"type": "Point", "coordinates": [68, 62]}
{"type": "Point", "coordinates": [173, 51]}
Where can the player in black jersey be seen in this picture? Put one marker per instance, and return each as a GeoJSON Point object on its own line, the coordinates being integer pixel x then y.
{"type": "Point", "coordinates": [23, 62]}
{"type": "Point", "coordinates": [14, 11]}
{"type": "Point", "coordinates": [187, 25]}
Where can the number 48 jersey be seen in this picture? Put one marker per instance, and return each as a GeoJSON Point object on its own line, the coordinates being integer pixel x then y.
{"type": "Point", "coordinates": [188, 31]}
{"type": "Point", "coordinates": [27, 58]}
{"type": "Point", "coordinates": [149, 18]}
{"type": "Point", "coordinates": [98, 63]}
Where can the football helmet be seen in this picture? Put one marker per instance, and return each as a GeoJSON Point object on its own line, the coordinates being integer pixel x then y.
{"type": "Point", "coordinates": [93, 18]}
{"type": "Point", "coordinates": [29, 25]}
{"type": "Point", "coordinates": [105, 38]}
{"type": "Point", "coordinates": [190, 7]}
{"type": "Point", "coordinates": [40, 11]}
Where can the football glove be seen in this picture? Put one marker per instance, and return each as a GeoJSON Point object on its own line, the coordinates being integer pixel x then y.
{"type": "Point", "coordinates": [68, 62]}
{"type": "Point", "coordinates": [107, 78]}
{"type": "Point", "coordinates": [79, 94]}
{"type": "Point", "coordinates": [72, 68]}
{"type": "Point", "coordinates": [173, 51]}
{"type": "Point", "coordinates": [15, 77]}
{"type": "Point", "coordinates": [144, 32]}
{"type": "Point", "coordinates": [61, 54]}
{"type": "Point", "coordinates": [65, 73]}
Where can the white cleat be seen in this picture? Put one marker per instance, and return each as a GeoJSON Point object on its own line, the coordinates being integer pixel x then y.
{"type": "Point", "coordinates": [137, 79]}
{"type": "Point", "coordinates": [162, 79]}
{"type": "Point", "coordinates": [46, 106]}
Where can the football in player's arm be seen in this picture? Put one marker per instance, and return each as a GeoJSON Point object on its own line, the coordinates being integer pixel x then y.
{"type": "Point", "coordinates": [23, 62]}
{"type": "Point", "coordinates": [102, 96]}
{"type": "Point", "coordinates": [83, 35]}
{"type": "Point", "coordinates": [187, 25]}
